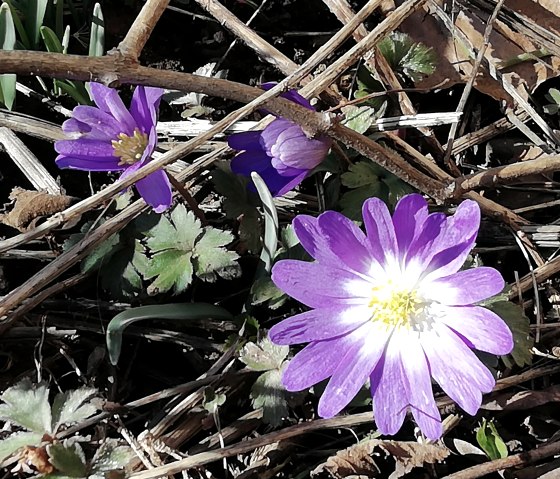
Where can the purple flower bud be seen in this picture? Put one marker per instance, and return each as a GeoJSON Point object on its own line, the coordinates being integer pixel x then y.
{"type": "Point", "coordinates": [281, 154]}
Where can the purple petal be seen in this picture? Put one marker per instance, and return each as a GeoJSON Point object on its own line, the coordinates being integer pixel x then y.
{"type": "Point", "coordinates": [144, 106]}
{"type": "Point", "coordinates": [456, 369]}
{"type": "Point", "coordinates": [319, 324]}
{"type": "Point", "coordinates": [88, 164]}
{"type": "Point", "coordinates": [249, 161]}
{"type": "Point", "coordinates": [465, 287]}
{"type": "Point", "coordinates": [380, 230]}
{"type": "Point", "coordinates": [456, 240]}
{"type": "Point", "coordinates": [86, 149]}
{"type": "Point", "coordinates": [311, 238]}
{"type": "Point", "coordinates": [291, 95]}
{"type": "Point", "coordinates": [387, 390]}
{"type": "Point", "coordinates": [109, 101]}
{"type": "Point", "coordinates": [484, 329]}
{"type": "Point", "coordinates": [104, 123]}
{"type": "Point", "coordinates": [410, 213]}
{"type": "Point", "coordinates": [315, 362]}
{"type": "Point", "coordinates": [420, 250]}
{"type": "Point", "coordinates": [346, 241]}
{"type": "Point", "coordinates": [78, 128]}
{"type": "Point", "coordinates": [279, 185]}
{"type": "Point", "coordinates": [357, 362]}
{"type": "Point", "coordinates": [156, 191]}
{"type": "Point", "coordinates": [299, 151]}
{"type": "Point", "coordinates": [418, 385]}
{"type": "Point", "coordinates": [270, 135]}
{"type": "Point", "coordinates": [245, 141]}
{"type": "Point", "coordinates": [319, 286]}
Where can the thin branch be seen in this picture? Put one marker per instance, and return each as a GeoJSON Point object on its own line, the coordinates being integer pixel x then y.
{"type": "Point", "coordinates": [521, 459]}
{"type": "Point", "coordinates": [503, 175]}
{"type": "Point", "coordinates": [141, 29]}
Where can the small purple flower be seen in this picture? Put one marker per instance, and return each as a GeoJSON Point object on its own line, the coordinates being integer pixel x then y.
{"type": "Point", "coordinates": [281, 153]}
{"type": "Point", "coordinates": [114, 138]}
{"type": "Point", "coordinates": [393, 306]}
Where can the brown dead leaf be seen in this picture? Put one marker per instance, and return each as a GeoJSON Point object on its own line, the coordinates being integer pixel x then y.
{"type": "Point", "coordinates": [454, 64]}
{"type": "Point", "coordinates": [523, 400]}
{"type": "Point", "coordinates": [31, 205]}
{"type": "Point", "coordinates": [36, 458]}
{"type": "Point", "coordinates": [371, 457]}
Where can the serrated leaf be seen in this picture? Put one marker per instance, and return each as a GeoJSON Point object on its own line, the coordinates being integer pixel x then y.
{"type": "Point", "coordinates": [263, 290]}
{"type": "Point", "coordinates": [239, 204]}
{"type": "Point", "coordinates": [263, 356]}
{"type": "Point", "coordinates": [111, 456]}
{"type": "Point", "coordinates": [27, 405]}
{"type": "Point", "coordinates": [269, 394]}
{"type": "Point", "coordinates": [519, 324]}
{"type": "Point", "coordinates": [172, 269]}
{"type": "Point", "coordinates": [102, 253]}
{"type": "Point", "coordinates": [72, 406]}
{"type": "Point", "coordinates": [69, 459]}
{"type": "Point", "coordinates": [361, 173]}
{"type": "Point", "coordinates": [368, 84]}
{"type": "Point", "coordinates": [351, 201]}
{"type": "Point", "coordinates": [490, 441]}
{"type": "Point", "coordinates": [359, 118]}
{"type": "Point", "coordinates": [179, 242]}
{"type": "Point", "coordinates": [17, 440]}
{"type": "Point", "coordinates": [410, 59]}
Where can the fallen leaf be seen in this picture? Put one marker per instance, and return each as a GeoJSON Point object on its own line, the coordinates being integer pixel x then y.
{"type": "Point", "coordinates": [371, 458]}
{"type": "Point", "coordinates": [506, 45]}
{"type": "Point", "coordinates": [29, 206]}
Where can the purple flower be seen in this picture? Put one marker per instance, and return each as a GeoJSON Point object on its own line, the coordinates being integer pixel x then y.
{"type": "Point", "coordinates": [111, 137]}
{"type": "Point", "coordinates": [393, 306]}
{"type": "Point", "coordinates": [281, 154]}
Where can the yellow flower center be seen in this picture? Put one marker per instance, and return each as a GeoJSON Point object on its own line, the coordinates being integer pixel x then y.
{"type": "Point", "coordinates": [130, 148]}
{"type": "Point", "coordinates": [394, 307]}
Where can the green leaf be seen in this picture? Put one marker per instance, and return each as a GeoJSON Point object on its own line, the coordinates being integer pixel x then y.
{"type": "Point", "coordinates": [368, 84]}
{"type": "Point", "coordinates": [51, 40]}
{"type": "Point", "coordinates": [211, 259]}
{"type": "Point", "coordinates": [7, 42]}
{"type": "Point", "coordinates": [24, 39]}
{"type": "Point", "coordinates": [269, 394]}
{"type": "Point", "coordinates": [239, 205]}
{"type": "Point", "coordinates": [35, 13]}
{"type": "Point", "coordinates": [68, 458]}
{"type": "Point", "coordinates": [171, 269]}
{"type": "Point", "coordinates": [212, 401]}
{"type": "Point", "coordinates": [27, 405]}
{"type": "Point", "coordinates": [97, 34]}
{"type": "Point", "coordinates": [361, 173]}
{"type": "Point", "coordinates": [17, 440]}
{"type": "Point", "coordinates": [263, 356]}
{"type": "Point", "coordinates": [177, 243]}
{"type": "Point", "coordinates": [270, 222]}
{"type": "Point", "coordinates": [366, 180]}
{"type": "Point", "coordinates": [73, 406]}
{"type": "Point", "coordinates": [110, 456]}
{"type": "Point", "coordinates": [360, 118]}
{"type": "Point", "coordinates": [519, 324]}
{"type": "Point", "coordinates": [490, 441]}
{"type": "Point", "coordinates": [178, 311]}
{"type": "Point", "coordinates": [264, 290]}
{"type": "Point", "coordinates": [410, 59]}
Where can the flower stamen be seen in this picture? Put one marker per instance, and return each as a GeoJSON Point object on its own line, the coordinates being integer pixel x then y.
{"type": "Point", "coordinates": [394, 307]}
{"type": "Point", "coordinates": [130, 148]}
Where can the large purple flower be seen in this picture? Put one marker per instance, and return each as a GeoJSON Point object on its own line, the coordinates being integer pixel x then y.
{"type": "Point", "coordinates": [281, 154]}
{"type": "Point", "coordinates": [394, 307]}
{"type": "Point", "coordinates": [114, 138]}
